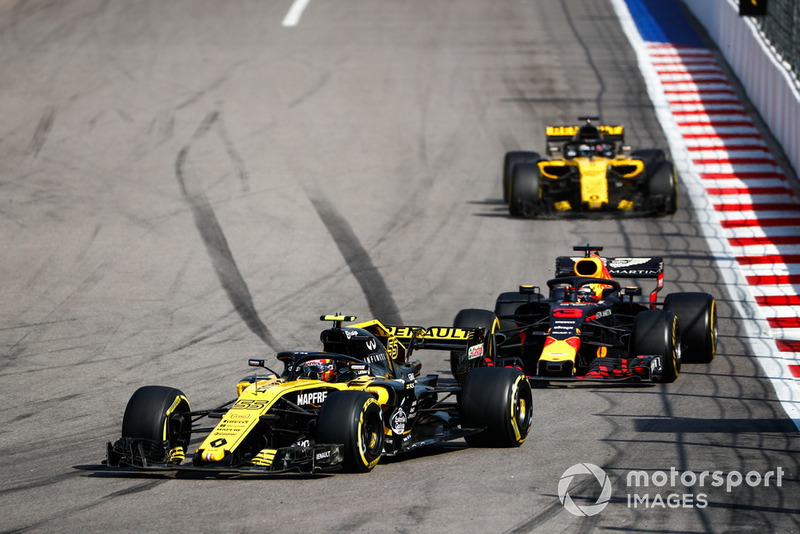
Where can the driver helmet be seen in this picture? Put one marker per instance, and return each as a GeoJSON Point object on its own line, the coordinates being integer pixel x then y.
{"type": "Point", "coordinates": [322, 369]}
{"type": "Point", "coordinates": [594, 267]}
{"type": "Point", "coordinates": [586, 294]}
{"type": "Point", "coordinates": [604, 149]}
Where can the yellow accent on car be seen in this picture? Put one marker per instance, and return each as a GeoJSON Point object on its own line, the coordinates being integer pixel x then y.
{"type": "Point", "coordinates": [265, 457]}
{"type": "Point", "coordinates": [563, 205]}
{"type": "Point", "coordinates": [558, 350]}
{"type": "Point", "coordinates": [545, 166]}
{"type": "Point", "coordinates": [522, 410]}
{"type": "Point", "coordinates": [261, 383]}
{"type": "Point", "coordinates": [572, 130]}
{"type": "Point", "coordinates": [246, 412]}
{"type": "Point", "coordinates": [176, 455]}
{"type": "Point", "coordinates": [175, 403]}
{"type": "Point", "coordinates": [625, 205]}
{"type": "Point", "coordinates": [338, 318]}
{"type": "Point", "coordinates": [380, 392]}
{"type": "Point", "coordinates": [434, 332]}
{"type": "Point", "coordinates": [594, 183]}
{"type": "Point", "coordinates": [637, 164]}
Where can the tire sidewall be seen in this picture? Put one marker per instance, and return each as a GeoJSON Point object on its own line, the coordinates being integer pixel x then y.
{"type": "Point", "coordinates": [148, 409]}
{"type": "Point", "coordinates": [656, 332]}
{"type": "Point", "coordinates": [697, 317]}
{"type": "Point", "coordinates": [525, 192]}
{"type": "Point", "coordinates": [342, 420]}
{"type": "Point", "coordinates": [662, 183]}
{"type": "Point", "coordinates": [500, 401]}
{"type": "Point", "coordinates": [148, 417]}
{"type": "Point", "coordinates": [511, 159]}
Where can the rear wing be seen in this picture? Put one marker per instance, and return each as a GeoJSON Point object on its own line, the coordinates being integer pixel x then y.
{"type": "Point", "coordinates": [562, 134]}
{"type": "Point", "coordinates": [649, 268]}
{"type": "Point", "coordinates": [409, 338]}
{"type": "Point", "coordinates": [617, 267]}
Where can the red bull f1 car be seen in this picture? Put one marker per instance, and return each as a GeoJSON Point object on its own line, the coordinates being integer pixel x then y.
{"type": "Point", "coordinates": [585, 325]}
{"type": "Point", "coordinates": [344, 406]}
{"type": "Point", "coordinates": [589, 170]}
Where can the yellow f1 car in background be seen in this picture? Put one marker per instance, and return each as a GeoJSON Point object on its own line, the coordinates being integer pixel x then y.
{"type": "Point", "coordinates": [589, 169]}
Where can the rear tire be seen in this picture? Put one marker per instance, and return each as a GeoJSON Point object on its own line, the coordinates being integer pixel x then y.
{"type": "Point", "coordinates": [511, 159]}
{"type": "Point", "coordinates": [158, 415]}
{"type": "Point", "coordinates": [697, 317]}
{"type": "Point", "coordinates": [655, 332]}
{"type": "Point", "coordinates": [460, 364]}
{"type": "Point", "coordinates": [524, 197]}
{"type": "Point", "coordinates": [507, 304]}
{"type": "Point", "coordinates": [662, 189]}
{"type": "Point", "coordinates": [650, 156]}
{"type": "Point", "coordinates": [499, 400]}
{"type": "Point", "coordinates": [354, 420]}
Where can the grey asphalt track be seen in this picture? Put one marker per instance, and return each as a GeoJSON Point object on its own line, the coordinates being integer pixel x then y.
{"type": "Point", "coordinates": [188, 184]}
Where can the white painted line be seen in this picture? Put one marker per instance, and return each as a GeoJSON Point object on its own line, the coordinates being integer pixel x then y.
{"type": "Point", "coordinates": [295, 12]}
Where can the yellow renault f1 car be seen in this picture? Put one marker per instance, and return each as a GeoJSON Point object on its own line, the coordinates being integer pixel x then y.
{"type": "Point", "coordinates": [588, 327]}
{"type": "Point", "coordinates": [345, 406]}
{"type": "Point", "coordinates": [589, 170]}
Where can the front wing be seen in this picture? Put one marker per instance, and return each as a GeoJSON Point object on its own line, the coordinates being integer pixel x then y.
{"type": "Point", "coordinates": [636, 370]}
{"type": "Point", "coordinates": [128, 452]}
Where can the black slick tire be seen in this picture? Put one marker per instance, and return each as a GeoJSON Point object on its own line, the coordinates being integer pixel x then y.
{"type": "Point", "coordinates": [697, 317]}
{"type": "Point", "coordinates": [354, 420]}
{"type": "Point", "coordinates": [655, 332]}
{"type": "Point", "coordinates": [524, 193]}
{"type": "Point", "coordinates": [662, 189]}
{"type": "Point", "coordinates": [499, 400]}
{"type": "Point", "coordinates": [158, 416]}
{"type": "Point", "coordinates": [511, 159]}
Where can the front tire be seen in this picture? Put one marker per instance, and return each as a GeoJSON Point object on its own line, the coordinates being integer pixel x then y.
{"type": "Point", "coordinates": [655, 332]}
{"type": "Point", "coordinates": [524, 198]}
{"type": "Point", "coordinates": [158, 417]}
{"type": "Point", "coordinates": [511, 159]}
{"type": "Point", "coordinates": [697, 316]}
{"type": "Point", "coordinates": [354, 420]}
{"type": "Point", "coordinates": [460, 364]}
{"type": "Point", "coordinates": [499, 400]}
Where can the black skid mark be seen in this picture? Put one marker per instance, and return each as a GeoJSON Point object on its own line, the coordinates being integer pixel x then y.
{"type": "Point", "coordinates": [233, 154]}
{"type": "Point", "coordinates": [379, 298]}
{"type": "Point", "coordinates": [42, 129]}
{"type": "Point", "coordinates": [217, 246]}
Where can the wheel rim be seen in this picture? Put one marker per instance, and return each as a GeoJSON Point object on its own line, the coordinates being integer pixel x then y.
{"type": "Point", "coordinates": [676, 346]}
{"type": "Point", "coordinates": [520, 412]}
{"type": "Point", "coordinates": [370, 444]}
{"type": "Point", "coordinates": [713, 329]}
